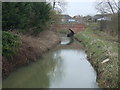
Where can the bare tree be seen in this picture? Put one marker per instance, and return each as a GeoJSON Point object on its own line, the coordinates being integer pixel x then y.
{"type": "Point", "coordinates": [107, 6]}
{"type": "Point", "coordinates": [59, 5]}
{"type": "Point", "coordinates": [110, 8]}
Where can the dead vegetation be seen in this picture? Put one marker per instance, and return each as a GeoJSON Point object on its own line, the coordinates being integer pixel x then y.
{"type": "Point", "coordinates": [31, 50]}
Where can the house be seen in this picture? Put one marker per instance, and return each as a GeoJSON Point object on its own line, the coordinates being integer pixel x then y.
{"type": "Point", "coordinates": [106, 18]}
{"type": "Point", "coordinates": [65, 18]}
{"type": "Point", "coordinates": [100, 17]}
{"type": "Point", "coordinates": [71, 20]}
{"type": "Point", "coordinates": [88, 18]}
{"type": "Point", "coordinates": [79, 19]}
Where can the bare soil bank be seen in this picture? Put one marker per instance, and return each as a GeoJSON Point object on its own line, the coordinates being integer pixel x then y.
{"type": "Point", "coordinates": [31, 50]}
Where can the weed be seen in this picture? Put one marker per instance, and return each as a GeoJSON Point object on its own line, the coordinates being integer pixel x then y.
{"type": "Point", "coordinates": [100, 46]}
{"type": "Point", "coordinates": [10, 44]}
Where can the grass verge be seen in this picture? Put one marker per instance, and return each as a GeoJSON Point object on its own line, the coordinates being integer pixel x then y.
{"type": "Point", "coordinates": [102, 51]}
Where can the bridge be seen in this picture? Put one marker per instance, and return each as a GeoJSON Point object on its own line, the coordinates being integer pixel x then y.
{"type": "Point", "coordinates": [77, 27]}
{"type": "Point", "coordinates": [74, 27]}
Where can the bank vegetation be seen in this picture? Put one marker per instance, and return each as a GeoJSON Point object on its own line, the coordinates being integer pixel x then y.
{"type": "Point", "coordinates": [102, 51]}
{"type": "Point", "coordinates": [26, 33]}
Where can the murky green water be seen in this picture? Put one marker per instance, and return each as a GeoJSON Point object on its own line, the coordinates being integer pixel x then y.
{"type": "Point", "coordinates": [63, 67]}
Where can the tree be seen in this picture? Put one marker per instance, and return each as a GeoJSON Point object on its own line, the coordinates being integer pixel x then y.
{"type": "Point", "coordinates": [109, 9]}
{"type": "Point", "coordinates": [107, 6]}
{"type": "Point", "coordinates": [58, 5]}
{"type": "Point", "coordinates": [26, 15]}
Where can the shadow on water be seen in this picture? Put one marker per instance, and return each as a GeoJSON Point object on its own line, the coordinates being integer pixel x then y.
{"type": "Point", "coordinates": [66, 40]}
{"type": "Point", "coordinates": [63, 67]}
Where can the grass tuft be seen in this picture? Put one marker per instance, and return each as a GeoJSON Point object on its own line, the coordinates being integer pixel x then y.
{"type": "Point", "coordinates": [100, 46]}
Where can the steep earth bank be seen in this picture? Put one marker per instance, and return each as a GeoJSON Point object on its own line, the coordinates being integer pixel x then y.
{"type": "Point", "coordinates": [31, 50]}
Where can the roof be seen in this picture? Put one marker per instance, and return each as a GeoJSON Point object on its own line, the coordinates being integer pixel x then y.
{"type": "Point", "coordinates": [66, 16]}
{"type": "Point", "coordinates": [105, 18]}
{"type": "Point", "coordinates": [98, 16]}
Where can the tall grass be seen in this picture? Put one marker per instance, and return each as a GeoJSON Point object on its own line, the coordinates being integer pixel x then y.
{"type": "Point", "coordinates": [100, 46]}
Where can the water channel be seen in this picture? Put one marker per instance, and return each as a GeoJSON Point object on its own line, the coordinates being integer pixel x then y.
{"type": "Point", "coordinates": [65, 66]}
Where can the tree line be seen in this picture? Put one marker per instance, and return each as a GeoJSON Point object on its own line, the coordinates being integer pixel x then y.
{"type": "Point", "coordinates": [25, 16]}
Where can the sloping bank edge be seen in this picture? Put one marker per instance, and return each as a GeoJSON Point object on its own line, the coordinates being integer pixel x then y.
{"type": "Point", "coordinates": [97, 65]}
{"type": "Point", "coordinates": [31, 50]}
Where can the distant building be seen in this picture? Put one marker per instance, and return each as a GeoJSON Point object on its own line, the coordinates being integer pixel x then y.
{"type": "Point", "coordinates": [79, 19]}
{"type": "Point", "coordinates": [88, 18]}
{"type": "Point", "coordinates": [71, 20]}
{"type": "Point", "coordinates": [100, 17]}
{"type": "Point", "coordinates": [106, 18]}
{"type": "Point", "coordinates": [65, 18]}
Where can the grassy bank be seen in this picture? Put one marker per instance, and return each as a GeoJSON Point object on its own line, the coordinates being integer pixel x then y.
{"type": "Point", "coordinates": [102, 51]}
{"type": "Point", "coordinates": [19, 50]}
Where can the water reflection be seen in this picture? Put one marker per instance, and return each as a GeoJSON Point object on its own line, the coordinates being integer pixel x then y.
{"type": "Point", "coordinates": [35, 75]}
{"type": "Point", "coordinates": [77, 71]}
{"type": "Point", "coordinates": [66, 40]}
{"type": "Point", "coordinates": [63, 67]}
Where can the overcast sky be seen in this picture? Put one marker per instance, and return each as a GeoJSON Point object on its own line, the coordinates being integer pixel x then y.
{"type": "Point", "coordinates": [80, 7]}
